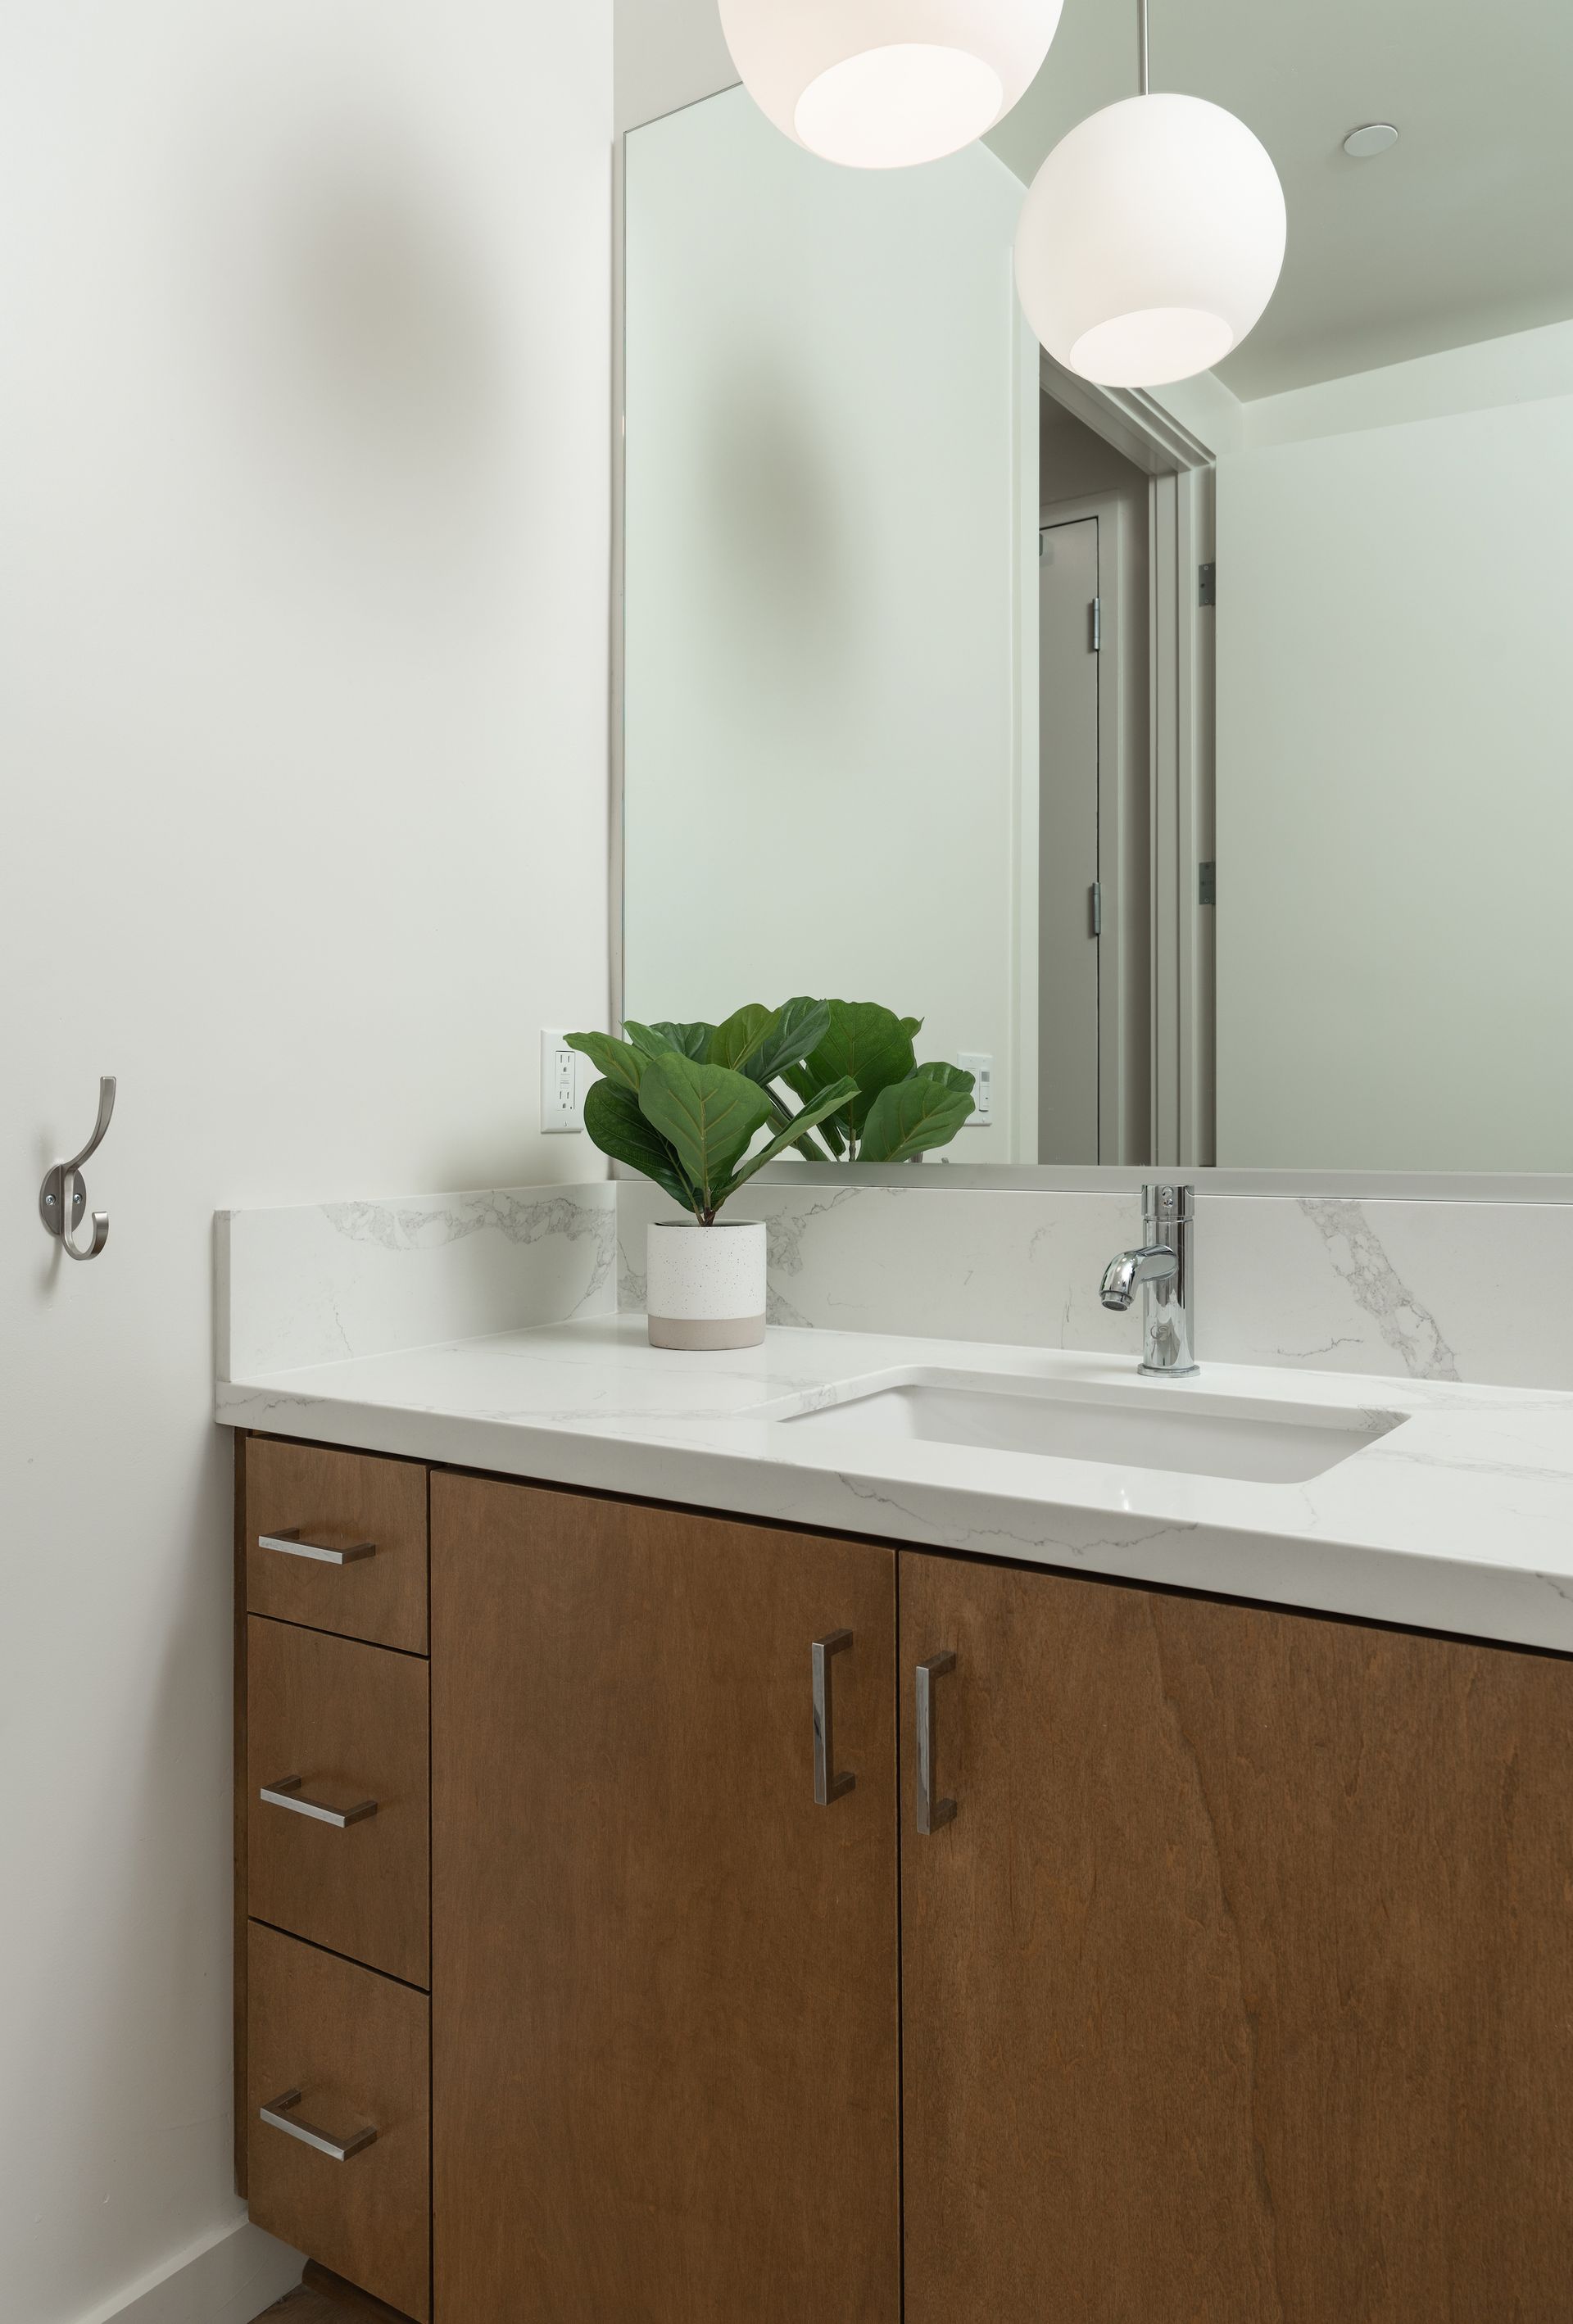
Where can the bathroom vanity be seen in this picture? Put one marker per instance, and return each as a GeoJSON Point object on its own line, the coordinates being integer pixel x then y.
{"type": "Point", "coordinates": [871, 1827]}
{"type": "Point", "coordinates": [1025, 1886]}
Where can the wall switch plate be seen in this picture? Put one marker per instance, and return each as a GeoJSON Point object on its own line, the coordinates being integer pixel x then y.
{"type": "Point", "coordinates": [979, 1064]}
{"type": "Point", "coordinates": [561, 1105]}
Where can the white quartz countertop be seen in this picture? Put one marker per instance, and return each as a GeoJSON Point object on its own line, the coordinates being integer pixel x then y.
{"type": "Point", "coordinates": [1458, 1518]}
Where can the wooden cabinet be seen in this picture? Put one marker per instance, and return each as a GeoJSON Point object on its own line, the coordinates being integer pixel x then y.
{"type": "Point", "coordinates": [338, 1730]}
{"type": "Point", "coordinates": [665, 1978]}
{"type": "Point", "coordinates": [333, 1903]}
{"type": "Point", "coordinates": [337, 2051]}
{"type": "Point", "coordinates": [337, 1540]}
{"type": "Point", "coordinates": [1241, 1985]}
{"type": "Point", "coordinates": [1237, 1989]}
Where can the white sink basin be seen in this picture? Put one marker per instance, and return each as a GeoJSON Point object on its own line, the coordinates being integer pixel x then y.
{"type": "Point", "coordinates": [1146, 1424]}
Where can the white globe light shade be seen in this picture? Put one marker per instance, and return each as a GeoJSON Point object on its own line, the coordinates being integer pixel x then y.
{"type": "Point", "coordinates": [881, 84]}
{"type": "Point", "coordinates": [1150, 241]}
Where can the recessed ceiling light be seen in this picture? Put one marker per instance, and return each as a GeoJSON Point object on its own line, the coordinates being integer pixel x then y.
{"type": "Point", "coordinates": [1375, 137]}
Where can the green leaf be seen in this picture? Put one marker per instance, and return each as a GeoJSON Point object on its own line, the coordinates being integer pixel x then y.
{"type": "Point", "coordinates": [739, 1037]}
{"type": "Point", "coordinates": [780, 1119]}
{"type": "Point", "coordinates": [613, 1118]}
{"type": "Point", "coordinates": [828, 1102]}
{"type": "Point", "coordinates": [910, 1117]}
{"type": "Point", "coordinates": [693, 1040]}
{"type": "Point", "coordinates": [911, 1025]}
{"type": "Point", "coordinates": [953, 1077]}
{"type": "Point", "coordinates": [645, 1039]}
{"type": "Point", "coordinates": [621, 1064]}
{"type": "Point", "coordinates": [656, 1040]}
{"type": "Point", "coordinates": [835, 1130]}
{"type": "Point", "coordinates": [799, 1025]}
{"type": "Point", "coordinates": [865, 1043]}
{"type": "Point", "coordinates": [707, 1114]}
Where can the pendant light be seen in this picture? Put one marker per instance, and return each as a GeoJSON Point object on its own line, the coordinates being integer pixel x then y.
{"type": "Point", "coordinates": [881, 84]}
{"type": "Point", "coordinates": [1151, 240]}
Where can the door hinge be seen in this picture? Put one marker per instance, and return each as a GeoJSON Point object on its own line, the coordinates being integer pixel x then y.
{"type": "Point", "coordinates": [1207, 577]}
{"type": "Point", "coordinates": [1097, 625]}
{"type": "Point", "coordinates": [1094, 897]}
{"type": "Point", "coordinates": [1207, 885]}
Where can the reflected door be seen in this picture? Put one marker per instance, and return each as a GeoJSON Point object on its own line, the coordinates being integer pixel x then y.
{"type": "Point", "coordinates": [1067, 866]}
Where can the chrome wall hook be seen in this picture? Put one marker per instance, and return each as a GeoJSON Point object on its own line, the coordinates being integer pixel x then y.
{"type": "Point", "coordinates": [62, 1197]}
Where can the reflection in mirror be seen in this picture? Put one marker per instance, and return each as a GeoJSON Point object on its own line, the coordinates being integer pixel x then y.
{"type": "Point", "coordinates": [1200, 758]}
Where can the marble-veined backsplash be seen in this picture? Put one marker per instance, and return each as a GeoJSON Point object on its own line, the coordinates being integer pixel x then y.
{"type": "Point", "coordinates": [313, 1285]}
{"type": "Point", "coordinates": [1427, 1290]}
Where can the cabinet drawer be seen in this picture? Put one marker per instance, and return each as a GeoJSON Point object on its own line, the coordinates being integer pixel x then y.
{"type": "Point", "coordinates": [337, 1728]}
{"type": "Point", "coordinates": [354, 2047]}
{"type": "Point", "coordinates": [365, 1520]}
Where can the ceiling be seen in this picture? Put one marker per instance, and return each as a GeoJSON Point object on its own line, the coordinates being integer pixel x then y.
{"type": "Point", "coordinates": [1463, 231]}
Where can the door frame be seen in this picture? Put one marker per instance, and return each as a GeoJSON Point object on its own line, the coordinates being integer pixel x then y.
{"type": "Point", "coordinates": [1123, 685]}
{"type": "Point", "coordinates": [1094, 508]}
{"type": "Point", "coordinates": [1180, 469]}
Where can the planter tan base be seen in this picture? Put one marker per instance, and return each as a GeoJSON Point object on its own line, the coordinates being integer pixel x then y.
{"type": "Point", "coordinates": [706, 1331]}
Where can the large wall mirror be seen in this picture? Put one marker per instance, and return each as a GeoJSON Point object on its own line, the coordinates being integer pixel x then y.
{"type": "Point", "coordinates": [1201, 758]}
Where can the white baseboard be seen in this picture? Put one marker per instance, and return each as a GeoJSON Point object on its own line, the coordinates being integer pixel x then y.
{"type": "Point", "coordinates": [227, 2278]}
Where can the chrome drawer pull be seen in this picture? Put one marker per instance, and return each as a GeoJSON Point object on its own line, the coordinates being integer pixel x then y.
{"type": "Point", "coordinates": [293, 1546]}
{"type": "Point", "coordinates": [932, 1813]}
{"type": "Point", "coordinates": [828, 1784]}
{"type": "Point", "coordinates": [276, 2115]}
{"type": "Point", "coordinates": [287, 1794]}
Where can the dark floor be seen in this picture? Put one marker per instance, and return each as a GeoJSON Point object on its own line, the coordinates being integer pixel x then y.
{"type": "Point", "coordinates": [324, 2299]}
{"type": "Point", "coordinates": [305, 2306]}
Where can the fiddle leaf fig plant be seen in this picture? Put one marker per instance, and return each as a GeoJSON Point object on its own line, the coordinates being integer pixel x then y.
{"type": "Point", "coordinates": [874, 1047]}
{"type": "Point", "coordinates": [683, 1103]}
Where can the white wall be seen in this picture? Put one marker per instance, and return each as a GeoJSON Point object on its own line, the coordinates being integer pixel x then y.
{"type": "Point", "coordinates": [832, 417]}
{"type": "Point", "coordinates": [303, 492]}
{"type": "Point", "coordinates": [1394, 814]}
{"type": "Point", "coordinates": [1523, 367]}
{"type": "Point", "coordinates": [668, 54]}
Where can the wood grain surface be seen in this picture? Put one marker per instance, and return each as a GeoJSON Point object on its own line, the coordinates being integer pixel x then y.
{"type": "Point", "coordinates": [356, 2046]}
{"type": "Point", "coordinates": [241, 1782]}
{"type": "Point", "coordinates": [352, 1722]}
{"type": "Point", "coordinates": [1240, 1990]}
{"type": "Point", "coordinates": [664, 1980]}
{"type": "Point", "coordinates": [340, 1498]}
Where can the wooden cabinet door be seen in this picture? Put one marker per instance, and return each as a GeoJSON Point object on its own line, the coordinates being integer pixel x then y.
{"type": "Point", "coordinates": [664, 1980]}
{"type": "Point", "coordinates": [347, 1723]}
{"type": "Point", "coordinates": [306, 1506]}
{"type": "Point", "coordinates": [1239, 1990]}
{"type": "Point", "coordinates": [337, 2051]}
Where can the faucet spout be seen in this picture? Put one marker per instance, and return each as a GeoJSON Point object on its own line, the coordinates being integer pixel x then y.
{"type": "Point", "coordinates": [1162, 1267]}
{"type": "Point", "coordinates": [1124, 1275]}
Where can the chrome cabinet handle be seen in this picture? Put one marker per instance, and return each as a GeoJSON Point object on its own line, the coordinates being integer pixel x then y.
{"type": "Point", "coordinates": [287, 1794]}
{"type": "Point", "coordinates": [932, 1813]}
{"type": "Point", "coordinates": [279, 2114]}
{"type": "Point", "coordinates": [293, 1546]}
{"type": "Point", "coordinates": [828, 1784]}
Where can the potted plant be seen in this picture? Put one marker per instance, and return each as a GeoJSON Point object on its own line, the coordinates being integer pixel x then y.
{"type": "Point", "coordinates": [684, 1105]}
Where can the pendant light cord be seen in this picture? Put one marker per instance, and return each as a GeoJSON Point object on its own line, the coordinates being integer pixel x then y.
{"type": "Point", "coordinates": [1142, 8]}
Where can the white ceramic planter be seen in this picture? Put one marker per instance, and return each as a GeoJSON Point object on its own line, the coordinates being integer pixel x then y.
{"type": "Point", "coordinates": [706, 1285]}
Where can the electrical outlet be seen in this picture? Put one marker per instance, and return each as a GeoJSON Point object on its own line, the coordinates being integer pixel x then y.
{"type": "Point", "coordinates": [562, 1107]}
{"type": "Point", "coordinates": [979, 1064]}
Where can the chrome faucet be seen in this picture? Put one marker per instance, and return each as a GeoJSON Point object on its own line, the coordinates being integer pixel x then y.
{"type": "Point", "coordinates": [1163, 1266]}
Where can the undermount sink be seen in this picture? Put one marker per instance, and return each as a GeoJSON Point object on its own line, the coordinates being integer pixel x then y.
{"type": "Point", "coordinates": [1144, 1426]}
